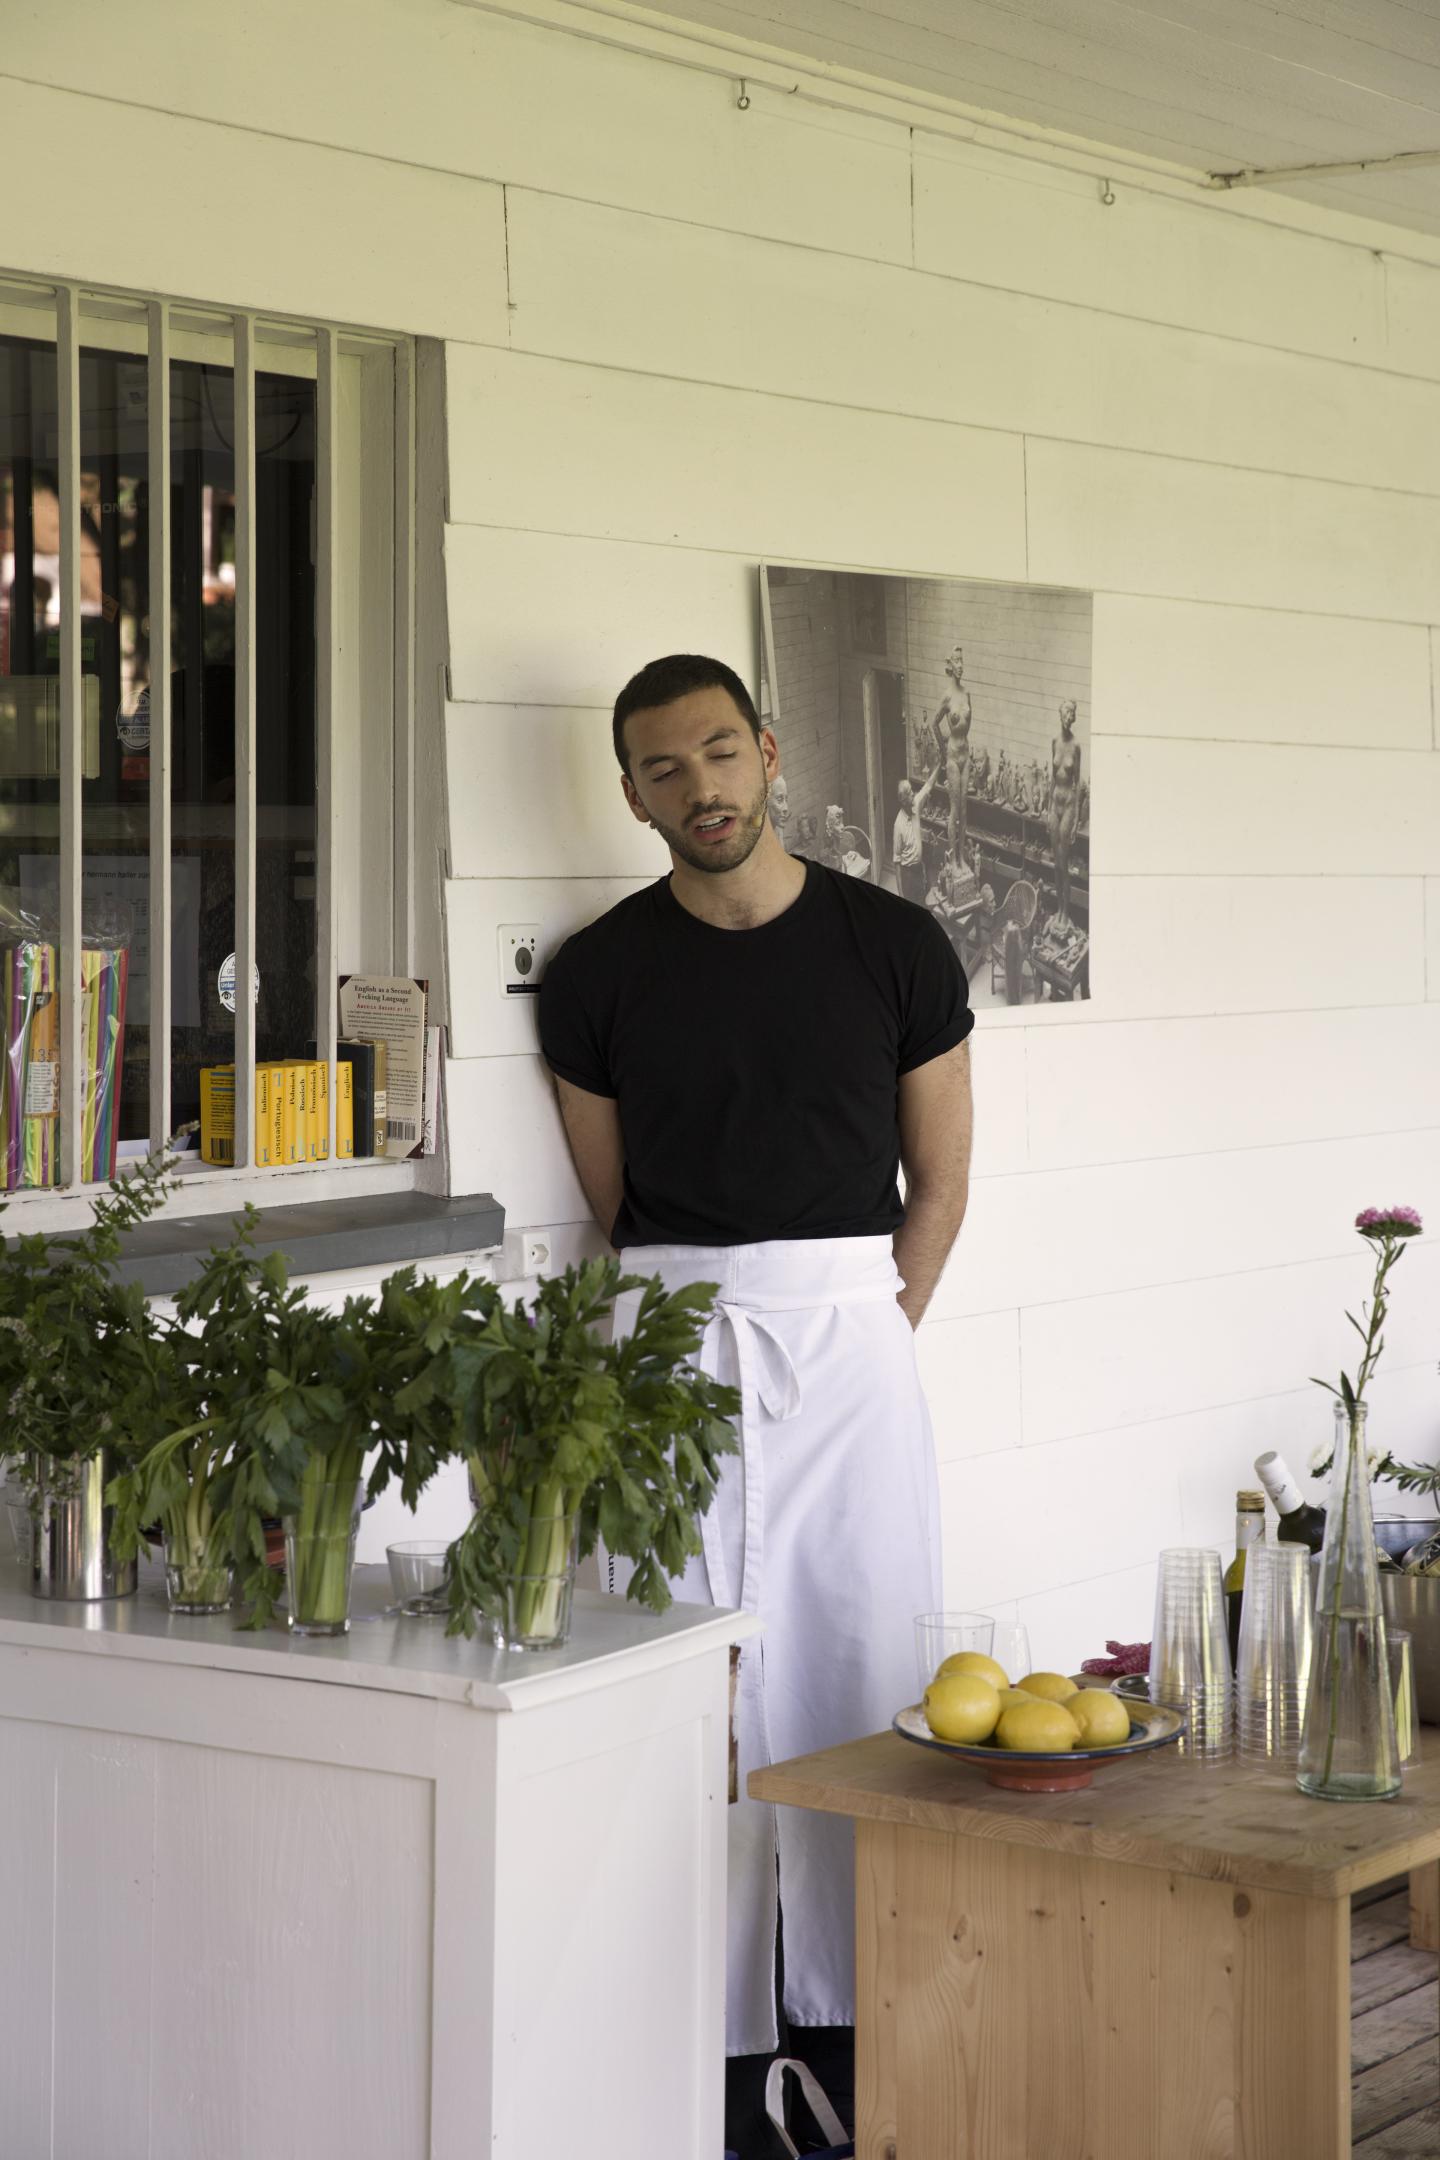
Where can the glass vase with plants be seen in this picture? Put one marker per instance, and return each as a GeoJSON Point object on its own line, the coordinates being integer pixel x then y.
{"type": "Point", "coordinates": [286, 1404]}
{"type": "Point", "coordinates": [87, 1367]}
{"type": "Point", "coordinates": [1348, 1749]}
{"type": "Point", "coordinates": [572, 1438]}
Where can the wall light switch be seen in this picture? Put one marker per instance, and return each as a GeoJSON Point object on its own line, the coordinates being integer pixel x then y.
{"type": "Point", "coordinates": [520, 969]}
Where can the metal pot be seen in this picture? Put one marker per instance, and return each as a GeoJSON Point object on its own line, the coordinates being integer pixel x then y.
{"type": "Point", "coordinates": [1397, 1533]}
{"type": "Point", "coordinates": [1412, 1602]}
{"type": "Point", "coordinates": [70, 1529]}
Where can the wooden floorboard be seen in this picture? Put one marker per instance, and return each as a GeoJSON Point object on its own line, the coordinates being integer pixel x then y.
{"type": "Point", "coordinates": [1376, 1927]}
{"type": "Point", "coordinates": [1388, 1974]}
{"type": "Point", "coordinates": [1395, 2032]}
{"type": "Point", "coordinates": [1417, 2138]}
{"type": "Point", "coordinates": [1396, 2089]}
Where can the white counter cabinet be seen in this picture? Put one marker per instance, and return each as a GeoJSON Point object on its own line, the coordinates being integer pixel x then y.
{"type": "Point", "coordinates": [391, 1897]}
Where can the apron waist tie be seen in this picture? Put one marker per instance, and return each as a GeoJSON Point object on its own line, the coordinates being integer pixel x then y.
{"type": "Point", "coordinates": [768, 1382]}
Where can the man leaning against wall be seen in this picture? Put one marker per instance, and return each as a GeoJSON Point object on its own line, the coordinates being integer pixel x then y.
{"type": "Point", "coordinates": [745, 1053]}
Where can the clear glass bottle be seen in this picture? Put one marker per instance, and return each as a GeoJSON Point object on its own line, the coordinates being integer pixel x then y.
{"type": "Point", "coordinates": [1348, 1751]}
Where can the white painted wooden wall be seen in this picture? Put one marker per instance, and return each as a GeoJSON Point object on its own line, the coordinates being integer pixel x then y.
{"type": "Point", "coordinates": [680, 337]}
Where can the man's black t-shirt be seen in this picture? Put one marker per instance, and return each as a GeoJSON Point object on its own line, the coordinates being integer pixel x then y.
{"type": "Point", "coordinates": [755, 1070]}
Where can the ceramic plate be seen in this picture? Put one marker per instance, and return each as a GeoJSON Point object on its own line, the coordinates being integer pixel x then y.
{"type": "Point", "coordinates": [1152, 1725]}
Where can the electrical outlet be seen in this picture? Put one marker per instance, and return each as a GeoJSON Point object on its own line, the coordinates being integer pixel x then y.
{"type": "Point", "coordinates": [519, 959]}
{"type": "Point", "coordinates": [534, 1251]}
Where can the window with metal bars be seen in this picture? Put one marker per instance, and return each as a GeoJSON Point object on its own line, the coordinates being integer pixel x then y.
{"type": "Point", "coordinates": [205, 656]}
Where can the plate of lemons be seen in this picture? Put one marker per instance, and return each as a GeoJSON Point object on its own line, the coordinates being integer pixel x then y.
{"type": "Point", "coordinates": [1045, 1734]}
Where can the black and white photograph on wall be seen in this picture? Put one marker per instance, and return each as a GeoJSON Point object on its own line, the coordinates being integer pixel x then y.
{"type": "Point", "coordinates": [935, 738]}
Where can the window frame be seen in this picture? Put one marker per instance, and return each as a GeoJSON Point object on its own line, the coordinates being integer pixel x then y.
{"type": "Point", "coordinates": [364, 543]}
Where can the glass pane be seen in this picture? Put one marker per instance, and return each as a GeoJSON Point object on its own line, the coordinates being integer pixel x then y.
{"type": "Point", "coordinates": [115, 790]}
{"type": "Point", "coordinates": [202, 597]}
{"type": "Point", "coordinates": [29, 760]}
{"type": "Point", "coordinates": [115, 600]}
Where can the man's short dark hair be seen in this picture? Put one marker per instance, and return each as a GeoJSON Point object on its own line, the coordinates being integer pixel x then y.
{"type": "Point", "coordinates": [663, 681]}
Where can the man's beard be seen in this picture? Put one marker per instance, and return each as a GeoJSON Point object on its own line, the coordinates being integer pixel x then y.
{"type": "Point", "coordinates": [726, 854]}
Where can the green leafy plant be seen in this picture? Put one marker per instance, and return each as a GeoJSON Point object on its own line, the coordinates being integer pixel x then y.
{"type": "Point", "coordinates": [1386, 1231]}
{"type": "Point", "coordinates": [559, 1424]}
{"type": "Point", "coordinates": [285, 1401]}
{"type": "Point", "coordinates": [85, 1362]}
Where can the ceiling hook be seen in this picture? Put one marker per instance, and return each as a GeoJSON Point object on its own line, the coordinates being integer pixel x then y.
{"type": "Point", "coordinates": [1107, 193]}
{"type": "Point", "coordinates": [742, 102]}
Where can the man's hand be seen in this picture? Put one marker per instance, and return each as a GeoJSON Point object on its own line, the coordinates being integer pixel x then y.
{"type": "Point", "coordinates": [936, 1125]}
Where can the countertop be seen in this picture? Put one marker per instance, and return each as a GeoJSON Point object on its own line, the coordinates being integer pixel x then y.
{"type": "Point", "coordinates": [610, 1640]}
{"type": "Point", "coordinates": [1230, 1822]}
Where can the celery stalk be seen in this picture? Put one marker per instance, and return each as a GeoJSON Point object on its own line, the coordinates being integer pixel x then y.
{"type": "Point", "coordinates": [319, 1540]}
{"type": "Point", "coordinates": [200, 1576]}
{"type": "Point", "coordinates": [542, 1576]}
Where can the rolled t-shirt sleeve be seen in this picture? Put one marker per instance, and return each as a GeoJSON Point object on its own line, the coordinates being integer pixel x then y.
{"type": "Point", "coordinates": [569, 1038]}
{"type": "Point", "coordinates": [937, 1012]}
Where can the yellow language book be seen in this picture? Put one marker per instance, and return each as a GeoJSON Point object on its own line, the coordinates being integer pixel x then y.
{"type": "Point", "coordinates": [317, 1099]}
{"type": "Point", "coordinates": [344, 1111]}
{"type": "Point", "coordinates": [292, 1134]}
{"type": "Point", "coordinates": [217, 1113]}
{"type": "Point", "coordinates": [262, 1114]}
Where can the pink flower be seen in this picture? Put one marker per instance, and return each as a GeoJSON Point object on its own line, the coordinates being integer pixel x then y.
{"type": "Point", "coordinates": [1383, 1222]}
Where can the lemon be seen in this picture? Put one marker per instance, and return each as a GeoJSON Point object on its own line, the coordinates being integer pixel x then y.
{"type": "Point", "coordinates": [961, 1707]}
{"type": "Point", "coordinates": [973, 1661]}
{"type": "Point", "coordinates": [1038, 1728]}
{"type": "Point", "coordinates": [1049, 1686]}
{"type": "Point", "coordinates": [1102, 1717]}
{"type": "Point", "coordinates": [1009, 1696]}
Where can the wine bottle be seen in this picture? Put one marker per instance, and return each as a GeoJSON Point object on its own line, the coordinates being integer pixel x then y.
{"type": "Point", "coordinates": [1249, 1530]}
{"type": "Point", "coordinates": [1300, 1522]}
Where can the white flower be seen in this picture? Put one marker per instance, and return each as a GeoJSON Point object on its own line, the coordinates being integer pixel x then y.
{"type": "Point", "coordinates": [1320, 1460]}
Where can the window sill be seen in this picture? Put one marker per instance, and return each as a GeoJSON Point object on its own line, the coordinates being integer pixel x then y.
{"type": "Point", "coordinates": [326, 1219]}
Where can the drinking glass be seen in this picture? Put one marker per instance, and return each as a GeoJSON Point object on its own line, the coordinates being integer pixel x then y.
{"type": "Point", "coordinates": [417, 1576]}
{"type": "Point", "coordinates": [939, 1635]}
{"type": "Point", "coordinates": [1402, 1691]}
{"type": "Point", "coordinates": [1011, 1649]}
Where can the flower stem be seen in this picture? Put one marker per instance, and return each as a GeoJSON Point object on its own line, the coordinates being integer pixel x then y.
{"type": "Point", "coordinates": [1352, 1449]}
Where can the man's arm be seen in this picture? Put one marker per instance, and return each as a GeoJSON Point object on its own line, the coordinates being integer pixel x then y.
{"type": "Point", "coordinates": [936, 1123]}
{"type": "Point", "coordinates": [592, 1127]}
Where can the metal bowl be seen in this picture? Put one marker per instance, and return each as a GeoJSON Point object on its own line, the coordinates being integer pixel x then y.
{"type": "Point", "coordinates": [1412, 1602]}
{"type": "Point", "coordinates": [1397, 1533]}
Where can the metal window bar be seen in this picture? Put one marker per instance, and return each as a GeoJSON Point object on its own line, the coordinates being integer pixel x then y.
{"type": "Point", "coordinates": [72, 1032]}
{"type": "Point", "coordinates": [163, 322]}
{"type": "Point", "coordinates": [158, 423]}
{"type": "Point", "coordinates": [327, 528]}
{"type": "Point", "coordinates": [403, 910]}
{"type": "Point", "coordinates": [245, 675]}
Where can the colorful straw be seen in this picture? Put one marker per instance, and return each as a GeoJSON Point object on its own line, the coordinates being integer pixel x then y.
{"type": "Point", "coordinates": [104, 979]}
{"type": "Point", "coordinates": [30, 1081]}
{"type": "Point", "coordinates": [30, 1076]}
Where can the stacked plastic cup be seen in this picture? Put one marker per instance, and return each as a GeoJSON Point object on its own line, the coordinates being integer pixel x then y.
{"type": "Point", "coordinates": [1190, 1650]}
{"type": "Point", "coordinates": [1277, 1640]}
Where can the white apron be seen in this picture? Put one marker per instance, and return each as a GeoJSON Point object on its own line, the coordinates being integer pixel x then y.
{"type": "Point", "coordinates": [826, 1525]}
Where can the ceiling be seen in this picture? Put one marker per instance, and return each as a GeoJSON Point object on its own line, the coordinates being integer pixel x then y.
{"type": "Point", "coordinates": [1221, 85]}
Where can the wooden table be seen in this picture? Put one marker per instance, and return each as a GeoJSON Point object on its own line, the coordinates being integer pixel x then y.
{"type": "Point", "coordinates": [1153, 1969]}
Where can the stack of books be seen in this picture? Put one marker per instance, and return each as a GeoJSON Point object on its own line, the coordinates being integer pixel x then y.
{"type": "Point", "coordinates": [386, 1085]}
{"type": "Point", "coordinates": [292, 1112]}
